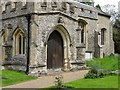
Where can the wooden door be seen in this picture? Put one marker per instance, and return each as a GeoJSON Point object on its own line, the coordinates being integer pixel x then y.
{"type": "Point", "coordinates": [55, 51]}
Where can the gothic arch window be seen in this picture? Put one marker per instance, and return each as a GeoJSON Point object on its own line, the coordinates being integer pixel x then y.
{"type": "Point", "coordinates": [81, 26]}
{"type": "Point", "coordinates": [103, 30]}
{"type": "Point", "coordinates": [19, 42]}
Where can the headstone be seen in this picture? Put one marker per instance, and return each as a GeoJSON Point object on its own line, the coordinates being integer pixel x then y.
{"type": "Point", "coordinates": [88, 56]}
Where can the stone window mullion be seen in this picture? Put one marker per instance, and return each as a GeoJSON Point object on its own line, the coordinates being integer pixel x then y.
{"type": "Point", "coordinates": [17, 45]}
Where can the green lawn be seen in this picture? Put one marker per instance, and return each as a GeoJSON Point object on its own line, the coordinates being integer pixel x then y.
{"type": "Point", "coordinates": [91, 84]}
{"type": "Point", "coordinates": [107, 82]}
{"type": "Point", "coordinates": [107, 63]}
{"type": "Point", "coordinates": [13, 77]}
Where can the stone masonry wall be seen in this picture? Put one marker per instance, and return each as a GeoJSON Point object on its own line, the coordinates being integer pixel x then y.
{"type": "Point", "coordinates": [50, 16]}
{"type": "Point", "coordinates": [105, 23]}
{"type": "Point", "coordinates": [10, 58]}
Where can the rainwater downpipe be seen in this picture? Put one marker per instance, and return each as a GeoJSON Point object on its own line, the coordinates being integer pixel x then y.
{"type": "Point", "coordinates": [28, 17]}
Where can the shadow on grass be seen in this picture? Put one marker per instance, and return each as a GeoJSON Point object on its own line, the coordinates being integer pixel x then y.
{"type": "Point", "coordinates": [72, 88]}
{"type": "Point", "coordinates": [69, 88]}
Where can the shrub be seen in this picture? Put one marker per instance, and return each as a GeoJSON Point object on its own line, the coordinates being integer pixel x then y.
{"type": "Point", "coordinates": [90, 75]}
{"type": "Point", "coordinates": [94, 72]}
{"type": "Point", "coordinates": [59, 81]}
{"type": "Point", "coordinates": [102, 75]}
{"type": "Point", "coordinates": [102, 67]}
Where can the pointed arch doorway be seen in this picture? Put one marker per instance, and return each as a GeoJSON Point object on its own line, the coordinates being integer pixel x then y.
{"type": "Point", "coordinates": [55, 51]}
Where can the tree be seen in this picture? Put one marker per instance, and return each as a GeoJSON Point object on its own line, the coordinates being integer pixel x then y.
{"type": "Point", "coordinates": [88, 2]}
{"type": "Point", "coordinates": [117, 21]}
{"type": "Point", "coordinates": [116, 38]}
{"type": "Point", "coordinates": [98, 7]}
{"type": "Point", "coordinates": [116, 33]}
{"type": "Point", "coordinates": [110, 9]}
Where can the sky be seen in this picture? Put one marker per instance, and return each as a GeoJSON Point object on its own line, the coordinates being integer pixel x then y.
{"type": "Point", "coordinates": [104, 2]}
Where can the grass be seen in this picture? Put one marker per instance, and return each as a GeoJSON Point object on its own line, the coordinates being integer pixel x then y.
{"type": "Point", "coordinates": [107, 63]}
{"type": "Point", "coordinates": [88, 84]}
{"type": "Point", "coordinates": [107, 82]}
{"type": "Point", "coordinates": [13, 77]}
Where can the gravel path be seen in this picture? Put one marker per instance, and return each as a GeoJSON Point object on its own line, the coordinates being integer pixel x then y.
{"type": "Point", "coordinates": [46, 81]}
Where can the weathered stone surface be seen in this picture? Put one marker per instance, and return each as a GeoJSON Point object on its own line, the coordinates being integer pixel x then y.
{"type": "Point", "coordinates": [16, 68]}
{"type": "Point", "coordinates": [63, 17]}
{"type": "Point", "coordinates": [17, 62]}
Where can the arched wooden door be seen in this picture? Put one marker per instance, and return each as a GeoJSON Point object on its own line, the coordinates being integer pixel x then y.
{"type": "Point", "coordinates": [55, 51]}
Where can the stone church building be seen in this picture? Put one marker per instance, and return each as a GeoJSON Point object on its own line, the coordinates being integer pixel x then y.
{"type": "Point", "coordinates": [40, 36]}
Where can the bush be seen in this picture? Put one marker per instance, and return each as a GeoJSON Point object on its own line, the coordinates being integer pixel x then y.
{"type": "Point", "coordinates": [100, 68]}
{"type": "Point", "coordinates": [92, 75]}
{"type": "Point", "coordinates": [94, 72]}
{"type": "Point", "coordinates": [102, 75]}
{"type": "Point", "coordinates": [59, 82]}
